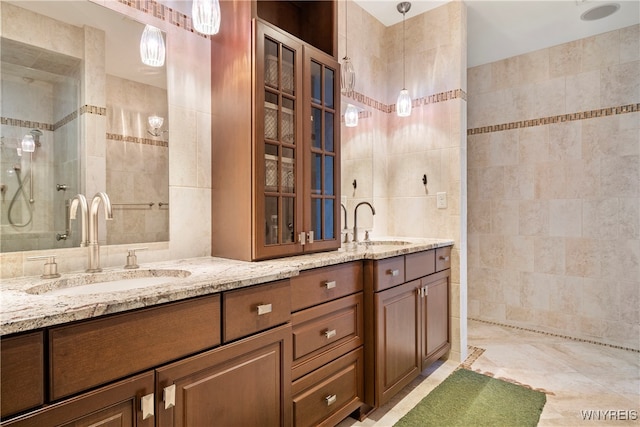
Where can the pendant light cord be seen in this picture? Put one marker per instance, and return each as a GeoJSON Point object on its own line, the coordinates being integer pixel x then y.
{"type": "Point", "coordinates": [346, 28]}
{"type": "Point", "coordinates": [404, 73]}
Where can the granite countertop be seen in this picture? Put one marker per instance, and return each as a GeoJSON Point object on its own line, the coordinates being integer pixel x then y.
{"type": "Point", "coordinates": [24, 307]}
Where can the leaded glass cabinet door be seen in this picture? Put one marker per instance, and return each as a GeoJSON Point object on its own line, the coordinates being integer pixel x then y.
{"type": "Point", "coordinates": [278, 189]}
{"type": "Point", "coordinates": [322, 151]}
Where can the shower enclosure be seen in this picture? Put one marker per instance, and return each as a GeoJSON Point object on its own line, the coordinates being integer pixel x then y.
{"type": "Point", "coordinates": [39, 95]}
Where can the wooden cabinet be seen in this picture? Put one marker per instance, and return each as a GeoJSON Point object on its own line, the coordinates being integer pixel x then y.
{"type": "Point", "coordinates": [115, 405]}
{"type": "Point", "coordinates": [408, 298]}
{"type": "Point", "coordinates": [276, 150]}
{"type": "Point", "coordinates": [247, 383]}
{"type": "Point", "coordinates": [22, 369]}
{"type": "Point", "coordinates": [328, 338]}
{"type": "Point", "coordinates": [94, 366]}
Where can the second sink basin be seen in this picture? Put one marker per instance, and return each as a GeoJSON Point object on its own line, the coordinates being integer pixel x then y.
{"type": "Point", "coordinates": [86, 284]}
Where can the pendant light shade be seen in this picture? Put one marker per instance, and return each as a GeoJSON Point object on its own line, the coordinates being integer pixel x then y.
{"type": "Point", "coordinates": [403, 105]}
{"type": "Point", "coordinates": [28, 144]}
{"type": "Point", "coordinates": [152, 48]}
{"type": "Point", "coordinates": [351, 116]}
{"type": "Point", "coordinates": [348, 78]}
{"type": "Point", "coordinates": [206, 16]}
{"type": "Point", "coordinates": [348, 74]}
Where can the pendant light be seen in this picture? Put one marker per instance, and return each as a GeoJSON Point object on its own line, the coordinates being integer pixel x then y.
{"type": "Point", "coordinates": [152, 47]}
{"type": "Point", "coordinates": [351, 116]}
{"type": "Point", "coordinates": [403, 105]}
{"type": "Point", "coordinates": [348, 80]}
{"type": "Point", "coordinates": [205, 15]}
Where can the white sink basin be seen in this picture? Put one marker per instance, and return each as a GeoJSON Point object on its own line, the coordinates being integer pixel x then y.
{"type": "Point", "coordinates": [98, 283]}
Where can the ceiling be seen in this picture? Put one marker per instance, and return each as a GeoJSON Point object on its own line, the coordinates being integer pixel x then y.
{"type": "Point", "coordinates": [501, 29]}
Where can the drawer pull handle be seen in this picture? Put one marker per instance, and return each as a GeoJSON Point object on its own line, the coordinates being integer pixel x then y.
{"type": "Point", "coordinates": [264, 309]}
{"type": "Point", "coordinates": [169, 396]}
{"type": "Point", "coordinates": [393, 272]}
{"type": "Point", "coordinates": [146, 405]}
{"type": "Point", "coordinates": [330, 285]}
{"type": "Point", "coordinates": [444, 258]}
{"type": "Point", "coordinates": [331, 399]}
{"type": "Point", "coordinates": [330, 333]}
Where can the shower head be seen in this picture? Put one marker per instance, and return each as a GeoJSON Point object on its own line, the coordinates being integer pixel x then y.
{"type": "Point", "coordinates": [35, 132]}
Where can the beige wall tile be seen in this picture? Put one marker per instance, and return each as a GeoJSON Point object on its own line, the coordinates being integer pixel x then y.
{"type": "Point", "coordinates": [549, 255]}
{"type": "Point", "coordinates": [565, 217]}
{"type": "Point", "coordinates": [630, 44]}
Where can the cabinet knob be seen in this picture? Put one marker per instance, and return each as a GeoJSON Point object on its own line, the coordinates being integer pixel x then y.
{"type": "Point", "coordinates": [169, 396]}
{"type": "Point", "coordinates": [330, 285]}
{"type": "Point", "coordinates": [330, 333]}
{"type": "Point", "coordinates": [264, 309]}
{"type": "Point", "coordinates": [393, 272]}
{"type": "Point", "coordinates": [444, 258]}
{"type": "Point", "coordinates": [331, 399]}
{"type": "Point", "coordinates": [147, 405]}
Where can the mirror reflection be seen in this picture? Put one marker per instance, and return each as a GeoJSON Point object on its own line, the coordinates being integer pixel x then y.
{"type": "Point", "coordinates": [80, 113]}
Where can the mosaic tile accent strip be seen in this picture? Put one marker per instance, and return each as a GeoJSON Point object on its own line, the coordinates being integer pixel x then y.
{"type": "Point", "coordinates": [551, 334]}
{"type": "Point", "coordinates": [166, 13]}
{"type": "Point", "coordinates": [361, 115]}
{"type": "Point", "coordinates": [65, 120]}
{"type": "Point", "coordinates": [93, 109]}
{"type": "Point", "coordinates": [631, 108]}
{"type": "Point", "coordinates": [136, 140]}
{"type": "Point", "coordinates": [425, 100]}
{"type": "Point", "coordinates": [25, 124]}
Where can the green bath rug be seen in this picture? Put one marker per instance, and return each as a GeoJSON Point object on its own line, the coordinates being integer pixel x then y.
{"type": "Point", "coordinates": [467, 399]}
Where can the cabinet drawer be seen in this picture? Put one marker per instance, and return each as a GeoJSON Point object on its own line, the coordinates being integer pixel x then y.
{"type": "Point", "coordinates": [420, 264]}
{"type": "Point", "coordinates": [94, 352]}
{"type": "Point", "coordinates": [313, 287]}
{"type": "Point", "coordinates": [330, 393]}
{"type": "Point", "coordinates": [324, 332]}
{"type": "Point", "coordinates": [250, 310]}
{"type": "Point", "coordinates": [443, 258]}
{"type": "Point", "coordinates": [22, 369]}
{"type": "Point", "coordinates": [388, 273]}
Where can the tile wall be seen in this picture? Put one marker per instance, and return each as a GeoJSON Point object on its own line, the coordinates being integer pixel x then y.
{"type": "Point", "coordinates": [554, 189]}
{"type": "Point", "coordinates": [389, 155]}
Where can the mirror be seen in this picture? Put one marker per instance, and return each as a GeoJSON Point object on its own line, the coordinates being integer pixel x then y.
{"type": "Point", "coordinates": [73, 83]}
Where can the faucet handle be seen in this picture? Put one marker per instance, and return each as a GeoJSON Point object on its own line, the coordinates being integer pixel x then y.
{"type": "Point", "coordinates": [132, 259]}
{"type": "Point", "coordinates": [366, 236]}
{"type": "Point", "coordinates": [50, 267]}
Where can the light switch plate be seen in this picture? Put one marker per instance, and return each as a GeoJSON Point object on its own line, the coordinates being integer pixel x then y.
{"type": "Point", "coordinates": [441, 200]}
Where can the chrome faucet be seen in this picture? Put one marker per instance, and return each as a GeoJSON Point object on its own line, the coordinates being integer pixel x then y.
{"type": "Point", "coordinates": [94, 247]}
{"type": "Point", "coordinates": [345, 229]}
{"type": "Point", "coordinates": [80, 200]}
{"type": "Point", "coordinates": [355, 218]}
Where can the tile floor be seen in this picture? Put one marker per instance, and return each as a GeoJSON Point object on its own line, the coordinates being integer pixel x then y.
{"type": "Point", "coordinates": [576, 376]}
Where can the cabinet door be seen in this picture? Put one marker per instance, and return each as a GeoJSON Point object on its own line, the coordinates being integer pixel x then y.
{"type": "Point", "coordinates": [435, 317]}
{"type": "Point", "coordinates": [247, 383]}
{"type": "Point", "coordinates": [397, 346]}
{"type": "Point", "coordinates": [22, 373]}
{"type": "Point", "coordinates": [116, 405]}
{"type": "Point", "coordinates": [278, 140]}
{"type": "Point", "coordinates": [322, 150]}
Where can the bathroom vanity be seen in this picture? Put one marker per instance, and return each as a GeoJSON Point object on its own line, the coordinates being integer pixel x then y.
{"type": "Point", "coordinates": [294, 341]}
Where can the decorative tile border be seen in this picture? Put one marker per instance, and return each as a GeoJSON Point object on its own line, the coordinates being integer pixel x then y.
{"type": "Point", "coordinates": [391, 108]}
{"type": "Point", "coordinates": [611, 111]}
{"type": "Point", "coordinates": [25, 124]}
{"type": "Point", "coordinates": [66, 119]}
{"type": "Point", "coordinates": [137, 140]}
{"type": "Point", "coordinates": [520, 328]}
{"type": "Point", "coordinates": [166, 13]}
{"type": "Point", "coordinates": [93, 109]}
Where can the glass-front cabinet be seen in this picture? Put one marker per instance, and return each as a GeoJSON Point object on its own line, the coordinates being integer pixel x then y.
{"type": "Point", "coordinates": [296, 147]}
